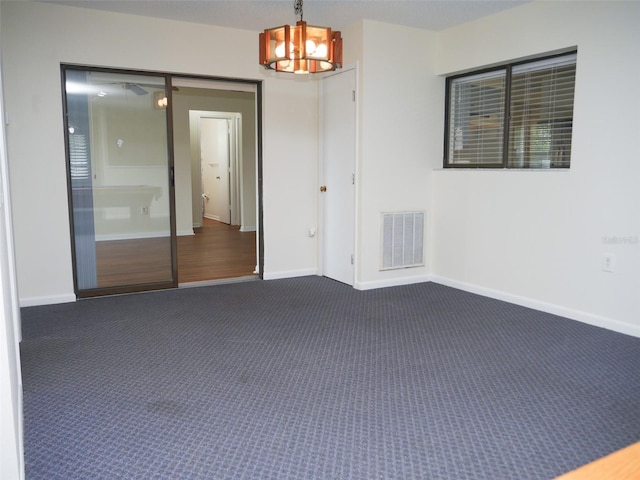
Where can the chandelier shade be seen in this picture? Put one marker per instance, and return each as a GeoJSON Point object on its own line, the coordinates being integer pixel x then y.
{"type": "Point", "coordinates": [300, 48]}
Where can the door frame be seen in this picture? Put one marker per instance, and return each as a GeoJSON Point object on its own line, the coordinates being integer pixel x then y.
{"type": "Point", "coordinates": [224, 83]}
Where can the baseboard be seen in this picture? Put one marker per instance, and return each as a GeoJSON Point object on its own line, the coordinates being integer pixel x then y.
{"type": "Point", "coordinates": [185, 233]}
{"type": "Point", "coordinates": [580, 316]}
{"type": "Point", "coordinates": [391, 282]}
{"type": "Point", "coordinates": [289, 274]}
{"type": "Point", "coordinates": [130, 236]}
{"type": "Point", "coordinates": [47, 300]}
{"type": "Point", "coordinates": [222, 281]}
{"type": "Point", "coordinates": [250, 228]}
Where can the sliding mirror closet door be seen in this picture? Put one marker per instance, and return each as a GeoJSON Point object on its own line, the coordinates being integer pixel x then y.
{"type": "Point", "coordinates": [120, 181]}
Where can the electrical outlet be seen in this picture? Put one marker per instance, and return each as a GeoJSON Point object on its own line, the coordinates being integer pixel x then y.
{"type": "Point", "coordinates": [608, 262]}
{"type": "Point", "coordinates": [144, 210]}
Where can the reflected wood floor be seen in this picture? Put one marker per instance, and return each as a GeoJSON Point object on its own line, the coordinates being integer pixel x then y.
{"type": "Point", "coordinates": [215, 252]}
{"type": "Point", "coordinates": [133, 262]}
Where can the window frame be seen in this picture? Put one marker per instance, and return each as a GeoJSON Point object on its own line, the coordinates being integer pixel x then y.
{"type": "Point", "coordinates": [507, 67]}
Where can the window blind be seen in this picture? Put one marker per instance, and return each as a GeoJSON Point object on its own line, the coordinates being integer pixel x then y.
{"type": "Point", "coordinates": [476, 119]}
{"type": "Point", "coordinates": [518, 115]}
{"type": "Point", "coordinates": [541, 113]}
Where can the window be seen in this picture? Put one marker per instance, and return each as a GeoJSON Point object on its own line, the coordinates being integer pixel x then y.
{"type": "Point", "coordinates": [513, 116]}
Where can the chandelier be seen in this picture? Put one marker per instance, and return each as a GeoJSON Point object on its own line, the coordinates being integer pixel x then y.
{"type": "Point", "coordinates": [301, 48]}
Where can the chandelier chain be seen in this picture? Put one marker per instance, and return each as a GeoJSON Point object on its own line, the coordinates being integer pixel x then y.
{"type": "Point", "coordinates": [297, 8]}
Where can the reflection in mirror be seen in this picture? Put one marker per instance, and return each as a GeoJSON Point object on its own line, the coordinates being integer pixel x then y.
{"type": "Point", "coordinates": [118, 165]}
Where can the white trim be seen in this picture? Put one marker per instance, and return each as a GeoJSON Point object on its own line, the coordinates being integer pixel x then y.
{"type": "Point", "coordinates": [187, 82]}
{"type": "Point", "coordinates": [12, 445]}
{"type": "Point", "coordinates": [290, 274]}
{"type": "Point", "coordinates": [130, 236]}
{"type": "Point", "coordinates": [391, 282]}
{"type": "Point", "coordinates": [47, 300]}
{"type": "Point", "coordinates": [221, 281]}
{"type": "Point", "coordinates": [137, 235]}
{"type": "Point", "coordinates": [580, 316]}
{"type": "Point", "coordinates": [250, 228]}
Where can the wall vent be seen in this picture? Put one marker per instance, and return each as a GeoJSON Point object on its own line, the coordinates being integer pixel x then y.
{"type": "Point", "coordinates": [402, 240]}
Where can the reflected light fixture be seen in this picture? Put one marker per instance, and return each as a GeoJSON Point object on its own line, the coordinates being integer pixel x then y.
{"type": "Point", "coordinates": [160, 101]}
{"type": "Point", "coordinates": [301, 48]}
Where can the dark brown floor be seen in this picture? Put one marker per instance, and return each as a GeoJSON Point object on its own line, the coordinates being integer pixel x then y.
{"type": "Point", "coordinates": [216, 251]}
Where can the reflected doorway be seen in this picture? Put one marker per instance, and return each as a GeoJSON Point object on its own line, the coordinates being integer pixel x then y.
{"type": "Point", "coordinates": [216, 167]}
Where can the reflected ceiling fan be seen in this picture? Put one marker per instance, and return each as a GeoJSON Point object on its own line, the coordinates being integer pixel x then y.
{"type": "Point", "coordinates": [138, 90]}
{"type": "Point", "coordinates": [135, 88]}
{"type": "Point", "coordinates": [131, 83]}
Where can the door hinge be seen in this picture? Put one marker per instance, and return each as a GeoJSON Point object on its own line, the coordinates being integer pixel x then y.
{"type": "Point", "coordinates": [353, 95]}
{"type": "Point", "coordinates": [353, 179]}
{"type": "Point", "coordinates": [352, 259]}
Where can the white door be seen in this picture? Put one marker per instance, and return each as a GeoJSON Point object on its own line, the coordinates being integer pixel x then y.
{"type": "Point", "coordinates": [338, 109]}
{"type": "Point", "coordinates": [214, 156]}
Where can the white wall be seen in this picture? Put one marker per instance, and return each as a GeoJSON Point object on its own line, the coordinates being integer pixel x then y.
{"type": "Point", "coordinates": [37, 37]}
{"type": "Point", "coordinates": [290, 178]}
{"type": "Point", "coordinates": [538, 238]}
{"type": "Point", "coordinates": [400, 119]}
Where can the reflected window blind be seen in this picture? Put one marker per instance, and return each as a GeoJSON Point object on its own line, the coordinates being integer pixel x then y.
{"type": "Point", "coordinates": [78, 160]}
{"type": "Point", "coordinates": [541, 113]}
{"type": "Point", "coordinates": [476, 119]}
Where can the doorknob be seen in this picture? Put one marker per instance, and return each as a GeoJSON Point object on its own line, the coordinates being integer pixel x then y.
{"type": "Point", "coordinates": [323, 188]}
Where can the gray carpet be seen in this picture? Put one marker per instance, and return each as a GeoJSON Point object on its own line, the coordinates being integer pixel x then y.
{"type": "Point", "coordinates": [309, 379]}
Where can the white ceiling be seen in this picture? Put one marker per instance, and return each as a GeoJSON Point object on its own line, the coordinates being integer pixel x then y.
{"type": "Point", "coordinates": [258, 15]}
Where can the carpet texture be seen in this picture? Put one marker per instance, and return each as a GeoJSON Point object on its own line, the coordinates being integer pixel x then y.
{"type": "Point", "coordinates": [310, 379]}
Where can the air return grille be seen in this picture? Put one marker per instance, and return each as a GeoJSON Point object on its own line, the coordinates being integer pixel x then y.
{"type": "Point", "coordinates": [402, 240]}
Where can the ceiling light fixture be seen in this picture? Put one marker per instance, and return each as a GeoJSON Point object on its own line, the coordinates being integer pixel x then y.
{"type": "Point", "coordinates": [310, 49]}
